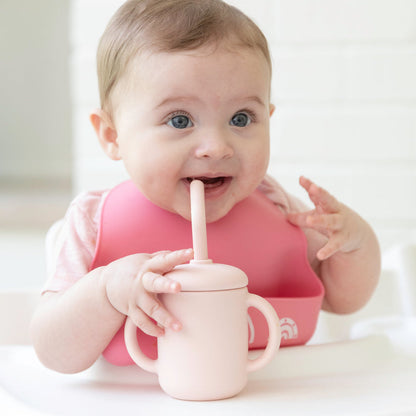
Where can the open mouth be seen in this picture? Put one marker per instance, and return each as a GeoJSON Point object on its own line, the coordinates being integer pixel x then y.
{"type": "Point", "coordinates": [211, 183]}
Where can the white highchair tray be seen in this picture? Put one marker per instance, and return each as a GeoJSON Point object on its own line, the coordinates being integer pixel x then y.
{"type": "Point", "coordinates": [368, 376]}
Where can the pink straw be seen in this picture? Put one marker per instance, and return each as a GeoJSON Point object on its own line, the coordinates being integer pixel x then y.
{"type": "Point", "coordinates": [199, 228]}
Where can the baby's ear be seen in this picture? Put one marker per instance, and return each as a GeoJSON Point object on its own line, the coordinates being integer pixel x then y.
{"type": "Point", "coordinates": [272, 108]}
{"type": "Point", "coordinates": [106, 133]}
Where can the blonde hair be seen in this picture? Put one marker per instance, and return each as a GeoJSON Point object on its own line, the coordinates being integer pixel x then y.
{"type": "Point", "coordinates": [168, 26]}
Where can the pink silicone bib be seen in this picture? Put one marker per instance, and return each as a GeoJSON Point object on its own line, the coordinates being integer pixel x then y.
{"type": "Point", "coordinates": [254, 236]}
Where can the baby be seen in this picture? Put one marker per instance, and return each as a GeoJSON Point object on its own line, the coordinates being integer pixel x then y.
{"type": "Point", "coordinates": [185, 93]}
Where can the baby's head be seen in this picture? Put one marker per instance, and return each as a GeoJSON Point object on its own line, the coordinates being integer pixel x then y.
{"type": "Point", "coordinates": [169, 26]}
{"type": "Point", "coordinates": [185, 92]}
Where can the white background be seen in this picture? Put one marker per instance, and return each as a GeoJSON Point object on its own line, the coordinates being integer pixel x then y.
{"type": "Point", "coordinates": [344, 85]}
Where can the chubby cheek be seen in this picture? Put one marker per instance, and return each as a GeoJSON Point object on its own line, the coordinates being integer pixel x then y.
{"type": "Point", "coordinates": [256, 168]}
{"type": "Point", "coordinates": [264, 159]}
{"type": "Point", "coordinates": [153, 168]}
{"type": "Point", "coordinates": [165, 189]}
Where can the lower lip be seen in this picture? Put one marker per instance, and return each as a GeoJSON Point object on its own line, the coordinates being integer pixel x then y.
{"type": "Point", "coordinates": [214, 191]}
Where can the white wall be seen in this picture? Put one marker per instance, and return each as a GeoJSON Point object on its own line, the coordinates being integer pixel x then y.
{"type": "Point", "coordinates": [345, 91]}
{"type": "Point", "coordinates": [35, 110]}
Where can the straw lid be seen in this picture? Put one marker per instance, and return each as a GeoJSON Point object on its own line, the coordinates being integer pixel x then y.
{"type": "Point", "coordinates": [203, 275]}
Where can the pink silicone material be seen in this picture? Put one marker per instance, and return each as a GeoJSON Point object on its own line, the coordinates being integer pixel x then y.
{"type": "Point", "coordinates": [199, 229]}
{"type": "Point", "coordinates": [254, 236]}
{"type": "Point", "coordinates": [274, 332]}
{"type": "Point", "coordinates": [255, 301]}
{"type": "Point", "coordinates": [208, 358]}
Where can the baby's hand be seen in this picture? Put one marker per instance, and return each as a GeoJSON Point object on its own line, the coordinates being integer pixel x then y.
{"type": "Point", "coordinates": [344, 228]}
{"type": "Point", "coordinates": [132, 282]}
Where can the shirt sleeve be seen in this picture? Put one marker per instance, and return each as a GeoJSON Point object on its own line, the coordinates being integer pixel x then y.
{"type": "Point", "coordinates": [285, 201]}
{"type": "Point", "coordinates": [71, 242]}
{"type": "Point", "coordinates": [288, 203]}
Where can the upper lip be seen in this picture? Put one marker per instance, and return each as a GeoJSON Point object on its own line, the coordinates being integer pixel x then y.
{"type": "Point", "coordinates": [208, 176]}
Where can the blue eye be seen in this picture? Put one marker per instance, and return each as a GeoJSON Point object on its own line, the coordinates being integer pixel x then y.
{"type": "Point", "coordinates": [180, 122]}
{"type": "Point", "coordinates": [240, 120]}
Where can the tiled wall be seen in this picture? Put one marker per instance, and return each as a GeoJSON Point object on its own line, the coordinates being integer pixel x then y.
{"type": "Point", "coordinates": [345, 91]}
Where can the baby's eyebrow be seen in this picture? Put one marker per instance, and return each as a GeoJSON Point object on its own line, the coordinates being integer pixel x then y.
{"type": "Point", "coordinates": [194, 99]}
{"type": "Point", "coordinates": [176, 99]}
{"type": "Point", "coordinates": [256, 99]}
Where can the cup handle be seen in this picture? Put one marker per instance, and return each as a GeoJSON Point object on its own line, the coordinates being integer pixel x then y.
{"type": "Point", "coordinates": [134, 350]}
{"type": "Point", "coordinates": [274, 331]}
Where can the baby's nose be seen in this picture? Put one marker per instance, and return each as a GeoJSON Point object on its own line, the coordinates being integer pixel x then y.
{"type": "Point", "coordinates": [214, 146]}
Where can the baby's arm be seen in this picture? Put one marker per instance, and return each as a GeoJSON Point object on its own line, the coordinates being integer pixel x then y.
{"type": "Point", "coordinates": [350, 260]}
{"type": "Point", "coordinates": [70, 329]}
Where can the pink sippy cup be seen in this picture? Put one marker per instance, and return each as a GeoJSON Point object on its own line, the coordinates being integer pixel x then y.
{"type": "Point", "coordinates": [208, 358]}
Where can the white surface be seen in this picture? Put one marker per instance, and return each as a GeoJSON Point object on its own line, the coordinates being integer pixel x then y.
{"type": "Point", "coordinates": [364, 377]}
{"type": "Point", "coordinates": [16, 309]}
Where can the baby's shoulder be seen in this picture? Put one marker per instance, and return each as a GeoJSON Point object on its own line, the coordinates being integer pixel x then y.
{"type": "Point", "coordinates": [86, 206]}
{"type": "Point", "coordinates": [280, 197]}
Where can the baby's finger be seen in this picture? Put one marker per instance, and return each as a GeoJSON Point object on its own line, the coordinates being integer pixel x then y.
{"type": "Point", "coordinates": [164, 262]}
{"type": "Point", "coordinates": [299, 218]}
{"type": "Point", "coordinates": [305, 183]}
{"type": "Point", "coordinates": [319, 196]}
{"type": "Point", "coordinates": [142, 321]}
{"type": "Point", "coordinates": [156, 283]}
{"type": "Point", "coordinates": [154, 308]}
{"type": "Point", "coordinates": [330, 222]}
{"type": "Point", "coordinates": [329, 249]}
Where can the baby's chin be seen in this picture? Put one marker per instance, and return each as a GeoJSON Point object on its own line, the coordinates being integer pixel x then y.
{"type": "Point", "coordinates": [210, 215]}
{"type": "Point", "coordinates": [213, 215]}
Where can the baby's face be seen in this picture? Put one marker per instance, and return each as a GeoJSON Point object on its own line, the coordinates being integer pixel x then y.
{"type": "Point", "coordinates": [195, 114]}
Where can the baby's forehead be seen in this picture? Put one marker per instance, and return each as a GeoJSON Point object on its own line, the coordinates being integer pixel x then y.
{"type": "Point", "coordinates": [232, 47]}
{"type": "Point", "coordinates": [138, 71]}
{"type": "Point", "coordinates": [233, 59]}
